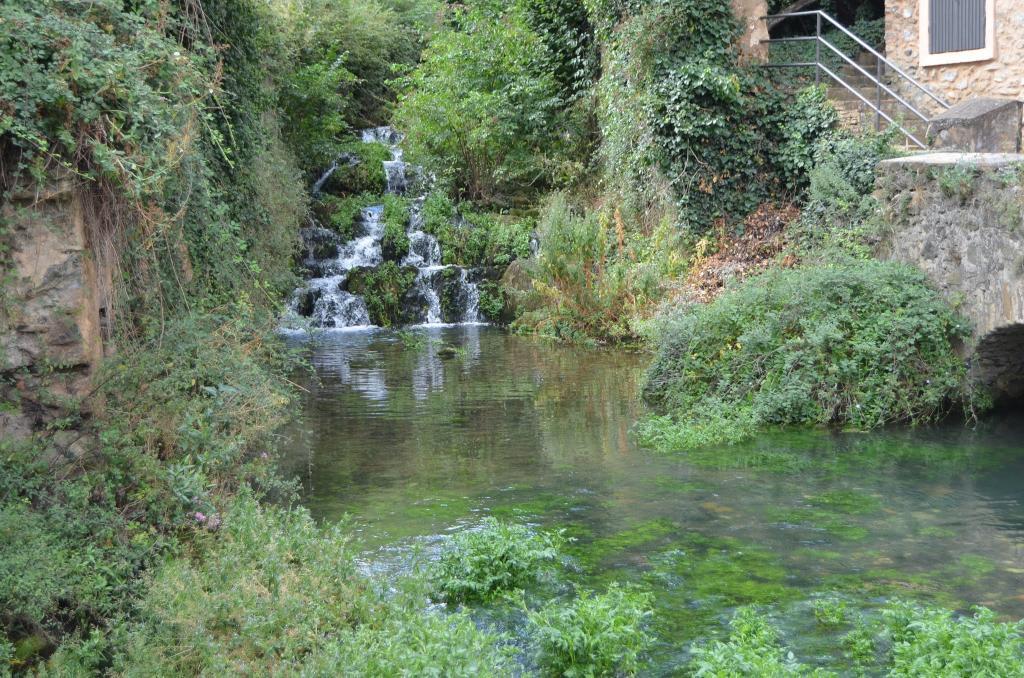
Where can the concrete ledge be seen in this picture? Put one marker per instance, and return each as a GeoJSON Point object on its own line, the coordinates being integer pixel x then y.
{"type": "Point", "coordinates": [949, 159]}
{"type": "Point", "coordinates": [981, 125]}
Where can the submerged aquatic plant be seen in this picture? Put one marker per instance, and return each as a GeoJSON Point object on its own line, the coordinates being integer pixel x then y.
{"type": "Point", "coordinates": [594, 635]}
{"type": "Point", "coordinates": [477, 565]}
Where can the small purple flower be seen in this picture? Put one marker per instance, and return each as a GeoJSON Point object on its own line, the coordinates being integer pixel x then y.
{"type": "Point", "coordinates": [200, 517]}
{"type": "Point", "coordinates": [264, 455]}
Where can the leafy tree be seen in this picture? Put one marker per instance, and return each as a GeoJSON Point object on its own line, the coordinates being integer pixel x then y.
{"type": "Point", "coordinates": [483, 108]}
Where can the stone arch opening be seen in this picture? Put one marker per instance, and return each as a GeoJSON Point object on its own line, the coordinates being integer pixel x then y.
{"type": "Point", "coordinates": [999, 363]}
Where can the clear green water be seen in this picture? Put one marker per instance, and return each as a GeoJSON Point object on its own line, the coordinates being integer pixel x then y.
{"type": "Point", "coordinates": [414, 446]}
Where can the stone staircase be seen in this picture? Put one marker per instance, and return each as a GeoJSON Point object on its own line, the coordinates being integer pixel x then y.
{"type": "Point", "coordinates": [857, 116]}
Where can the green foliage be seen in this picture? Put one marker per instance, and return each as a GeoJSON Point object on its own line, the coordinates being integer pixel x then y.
{"type": "Point", "coordinates": [475, 238]}
{"type": "Point", "coordinates": [585, 287]}
{"type": "Point", "coordinates": [269, 569]}
{"type": "Point", "coordinates": [482, 109]}
{"type": "Point", "coordinates": [6, 655]}
{"type": "Point", "coordinates": [841, 216]}
{"type": "Point", "coordinates": [383, 289]}
{"type": "Point", "coordinates": [594, 635]}
{"type": "Point", "coordinates": [851, 344]}
{"type": "Point", "coordinates": [958, 181]}
{"type": "Point", "coordinates": [681, 121]}
{"type": "Point", "coordinates": [343, 213]}
{"type": "Point", "coordinates": [341, 55]}
{"type": "Point", "coordinates": [752, 650]}
{"type": "Point", "coordinates": [933, 642]}
{"type": "Point", "coordinates": [492, 300]}
{"type": "Point", "coordinates": [564, 27]}
{"type": "Point", "coordinates": [395, 243]}
{"type": "Point", "coordinates": [479, 564]}
{"type": "Point", "coordinates": [812, 118]}
{"type": "Point", "coordinates": [830, 612]}
{"type": "Point", "coordinates": [360, 170]}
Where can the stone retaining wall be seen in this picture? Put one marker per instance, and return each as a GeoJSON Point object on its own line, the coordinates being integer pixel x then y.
{"type": "Point", "coordinates": [960, 218]}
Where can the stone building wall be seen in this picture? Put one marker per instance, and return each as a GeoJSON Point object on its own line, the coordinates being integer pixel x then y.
{"type": "Point", "coordinates": [960, 218]}
{"type": "Point", "coordinates": [1001, 77]}
{"type": "Point", "coordinates": [51, 309]}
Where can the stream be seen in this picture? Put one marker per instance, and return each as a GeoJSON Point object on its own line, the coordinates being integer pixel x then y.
{"type": "Point", "coordinates": [413, 445]}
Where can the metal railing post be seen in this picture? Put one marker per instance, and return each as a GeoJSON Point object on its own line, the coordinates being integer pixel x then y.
{"type": "Point", "coordinates": [878, 95]}
{"type": "Point", "coordinates": [817, 51]}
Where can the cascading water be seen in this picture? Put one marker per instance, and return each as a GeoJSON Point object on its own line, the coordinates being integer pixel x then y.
{"type": "Point", "coordinates": [440, 293]}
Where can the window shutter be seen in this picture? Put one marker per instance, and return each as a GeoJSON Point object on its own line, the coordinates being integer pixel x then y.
{"type": "Point", "coordinates": [956, 25]}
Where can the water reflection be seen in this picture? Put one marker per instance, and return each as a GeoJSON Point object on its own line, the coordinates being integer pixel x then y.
{"type": "Point", "coordinates": [416, 442]}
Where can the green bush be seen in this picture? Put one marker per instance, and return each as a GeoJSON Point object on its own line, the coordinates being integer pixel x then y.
{"type": "Point", "coordinates": [475, 238]}
{"type": "Point", "coordinates": [858, 344]}
{"type": "Point", "coordinates": [362, 172]}
{"type": "Point", "coordinates": [340, 56]}
{"type": "Point", "coordinates": [394, 243]}
{"type": "Point", "coordinates": [343, 214]}
{"type": "Point", "coordinates": [269, 569]}
{"type": "Point", "coordinates": [812, 118]}
{"type": "Point", "coordinates": [492, 300]}
{"type": "Point", "coordinates": [752, 650]}
{"type": "Point", "coordinates": [383, 288]}
{"type": "Point", "coordinates": [841, 217]}
{"type": "Point", "coordinates": [594, 635]}
{"type": "Point", "coordinates": [585, 286]}
{"type": "Point", "coordinates": [934, 642]}
{"type": "Point", "coordinates": [479, 564]}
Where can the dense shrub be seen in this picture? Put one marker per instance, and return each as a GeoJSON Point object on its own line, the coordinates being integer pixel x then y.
{"type": "Point", "coordinates": [475, 238]}
{"type": "Point", "coordinates": [340, 55]}
{"type": "Point", "coordinates": [935, 642]}
{"type": "Point", "coordinates": [477, 565]}
{"type": "Point", "coordinates": [585, 286]}
{"type": "Point", "coordinates": [360, 171]}
{"type": "Point", "coordinates": [343, 214]}
{"type": "Point", "coordinates": [850, 344]}
{"type": "Point", "coordinates": [270, 569]}
{"type": "Point", "coordinates": [594, 635]}
{"type": "Point", "coordinates": [841, 216]}
{"type": "Point", "coordinates": [383, 288]}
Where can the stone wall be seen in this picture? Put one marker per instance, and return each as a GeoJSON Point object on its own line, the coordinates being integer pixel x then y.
{"type": "Point", "coordinates": [1001, 77]}
{"type": "Point", "coordinates": [51, 310]}
{"type": "Point", "coordinates": [960, 218]}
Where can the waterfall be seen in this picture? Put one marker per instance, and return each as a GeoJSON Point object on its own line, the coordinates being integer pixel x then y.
{"type": "Point", "coordinates": [440, 293]}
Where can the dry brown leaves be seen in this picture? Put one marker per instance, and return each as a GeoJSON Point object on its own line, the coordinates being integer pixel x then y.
{"type": "Point", "coordinates": [737, 257]}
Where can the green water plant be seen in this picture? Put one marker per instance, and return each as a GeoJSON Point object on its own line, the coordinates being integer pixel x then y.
{"type": "Point", "coordinates": [936, 642]}
{"type": "Point", "coordinates": [494, 558]}
{"type": "Point", "coordinates": [594, 635]}
{"type": "Point", "coordinates": [851, 344]}
{"type": "Point", "coordinates": [753, 650]}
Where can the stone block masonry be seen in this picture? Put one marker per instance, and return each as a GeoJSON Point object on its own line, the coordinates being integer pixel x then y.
{"type": "Point", "coordinates": [1001, 76]}
{"type": "Point", "coordinates": [960, 218]}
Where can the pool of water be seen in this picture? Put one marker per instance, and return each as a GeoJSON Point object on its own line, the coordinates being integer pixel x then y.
{"type": "Point", "coordinates": [413, 442]}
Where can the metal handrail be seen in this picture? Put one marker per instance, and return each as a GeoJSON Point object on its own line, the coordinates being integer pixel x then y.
{"type": "Point", "coordinates": [823, 15]}
{"type": "Point", "coordinates": [875, 80]}
{"type": "Point", "coordinates": [878, 110]}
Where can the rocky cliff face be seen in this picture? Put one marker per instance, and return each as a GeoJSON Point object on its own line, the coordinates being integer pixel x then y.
{"type": "Point", "coordinates": [52, 311]}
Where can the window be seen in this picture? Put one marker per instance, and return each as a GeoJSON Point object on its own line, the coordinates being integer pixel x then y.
{"type": "Point", "coordinates": [957, 31]}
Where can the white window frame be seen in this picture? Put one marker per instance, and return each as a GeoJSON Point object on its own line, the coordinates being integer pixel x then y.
{"type": "Point", "coordinates": [984, 54]}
